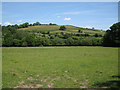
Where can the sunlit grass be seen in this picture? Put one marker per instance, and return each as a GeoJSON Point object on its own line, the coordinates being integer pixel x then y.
{"type": "Point", "coordinates": [53, 67]}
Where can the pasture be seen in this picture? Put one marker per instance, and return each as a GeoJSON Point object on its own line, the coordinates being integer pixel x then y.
{"type": "Point", "coordinates": [69, 29]}
{"type": "Point", "coordinates": [59, 67]}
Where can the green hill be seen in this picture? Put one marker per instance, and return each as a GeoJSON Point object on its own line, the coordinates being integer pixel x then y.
{"type": "Point", "coordinates": [50, 35]}
{"type": "Point", "coordinates": [69, 29]}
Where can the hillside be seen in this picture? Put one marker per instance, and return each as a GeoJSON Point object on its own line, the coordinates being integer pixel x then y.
{"type": "Point", "coordinates": [69, 29]}
{"type": "Point", "coordinates": [49, 35]}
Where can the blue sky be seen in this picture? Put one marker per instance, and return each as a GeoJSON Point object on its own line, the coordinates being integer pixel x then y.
{"type": "Point", "coordinates": [100, 15]}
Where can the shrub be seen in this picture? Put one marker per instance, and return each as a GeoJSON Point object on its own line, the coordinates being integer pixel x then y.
{"type": "Point", "coordinates": [62, 28]}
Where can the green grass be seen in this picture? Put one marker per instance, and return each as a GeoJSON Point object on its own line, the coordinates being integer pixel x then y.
{"type": "Point", "coordinates": [55, 29]}
{"type": "Point", "coordinates": [58, 67]}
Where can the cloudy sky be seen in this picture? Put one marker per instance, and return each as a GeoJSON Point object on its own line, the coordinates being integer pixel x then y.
{"type": "Point", "coordinates": [100, 15]}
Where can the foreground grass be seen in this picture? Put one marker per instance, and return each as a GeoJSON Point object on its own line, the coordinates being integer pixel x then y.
{"type": "Point", "coordinates": [59, 67]}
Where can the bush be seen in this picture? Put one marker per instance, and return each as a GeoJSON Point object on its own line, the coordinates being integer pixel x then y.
{"type": "Point", "coordinates": [62, 28]}
{"type": "Point", "coordinates": [80, 31]}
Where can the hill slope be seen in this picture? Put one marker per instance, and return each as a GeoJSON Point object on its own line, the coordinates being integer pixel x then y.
{"type": "Point", "coordinates": [69, 29]}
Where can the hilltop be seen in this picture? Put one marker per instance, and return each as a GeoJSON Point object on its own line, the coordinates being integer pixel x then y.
{"type": "Point", "coordinates": [37, 34]}
{"type": "Point", "coordinates": [69, 29]}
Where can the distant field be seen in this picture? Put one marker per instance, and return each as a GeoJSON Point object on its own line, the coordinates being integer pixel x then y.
{"type": "Point", "coordinates": [55, 29]}
{"type": "Point", "coordinates": [59, 67]}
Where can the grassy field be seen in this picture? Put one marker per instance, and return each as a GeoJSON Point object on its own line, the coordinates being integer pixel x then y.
{"type": "Point", "coordinates": [59, 67]}
{"type": "Point", "coordinates": [55, 29]}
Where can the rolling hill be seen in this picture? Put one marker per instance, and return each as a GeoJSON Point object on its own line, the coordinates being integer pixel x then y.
{"type": "Point", "coordinates": [69, 29]}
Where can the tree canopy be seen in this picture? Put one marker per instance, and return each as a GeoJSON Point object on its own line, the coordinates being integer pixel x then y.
{"type": "Point", "coordinates": [12, 36]}
{"type": "Point", "coordinates": [112, 36]}
{"type": "Point", "coordinates": [62, 28]}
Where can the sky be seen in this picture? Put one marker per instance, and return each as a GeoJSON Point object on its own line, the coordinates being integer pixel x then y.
{"type": "Point", "coordinates": [60, 0]}
{"type": "Point", "coordinates": [100, 15]}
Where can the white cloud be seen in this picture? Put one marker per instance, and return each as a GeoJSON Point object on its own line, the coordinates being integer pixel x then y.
{"type": "Point", "coordinates": [67, 19]}
{"type": "Point", "coordinates": [19, 20]}
{"type": "Point", "coordinates": [58, 16]}
{"type": "Point", "coordinates": [7, 23]}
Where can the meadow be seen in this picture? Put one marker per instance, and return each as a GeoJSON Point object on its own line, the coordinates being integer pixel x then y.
{"type": "Point", "coordinates": [69, 29]}
{"type": "Point", "coordinates": [59, 67]}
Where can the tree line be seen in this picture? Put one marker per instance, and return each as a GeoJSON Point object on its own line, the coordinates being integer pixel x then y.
{"type": "Point", "coordinates": [26, 24]}
{"type": "Point", "coordinates": [18, 38]}
{"type": "Point", "coordinates": [112, 36]}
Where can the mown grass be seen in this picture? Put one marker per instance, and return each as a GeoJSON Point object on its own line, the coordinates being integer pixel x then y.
{"type": "Point", "coordinates": [58, 67]}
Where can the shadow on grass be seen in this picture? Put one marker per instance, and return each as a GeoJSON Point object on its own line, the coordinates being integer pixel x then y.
{"type": "Point", "coordinates": [109, 84]}
{"type": "Point", "coordinates": [116, 77]}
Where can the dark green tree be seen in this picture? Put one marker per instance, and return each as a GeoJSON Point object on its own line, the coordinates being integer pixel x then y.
{"type": "Point", "coordinates": [96, 35]}
{"type": "Point", "coordinates": [30, 24]}
{"type": "Point", "coordinates": [24, 25]}
{"type": "Point", "coordinates": [57, 41]}
{"type": "Point", "coordinates": [80, 31]}
{"type": "Point", "coordinates": [50, 23]}
{"type": "Point", "coordinates": [62, 28]}
{"type": "Point", "coordinates": [36, 24]}
{"type": "Point", "coordinates": [112, 36]}
{"type": "Point", "coordinates": [69, 41]}
{"type": "Point", "coordinates": [16, 42]}
{"type": "Point", "coordinates": [16, 26]}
